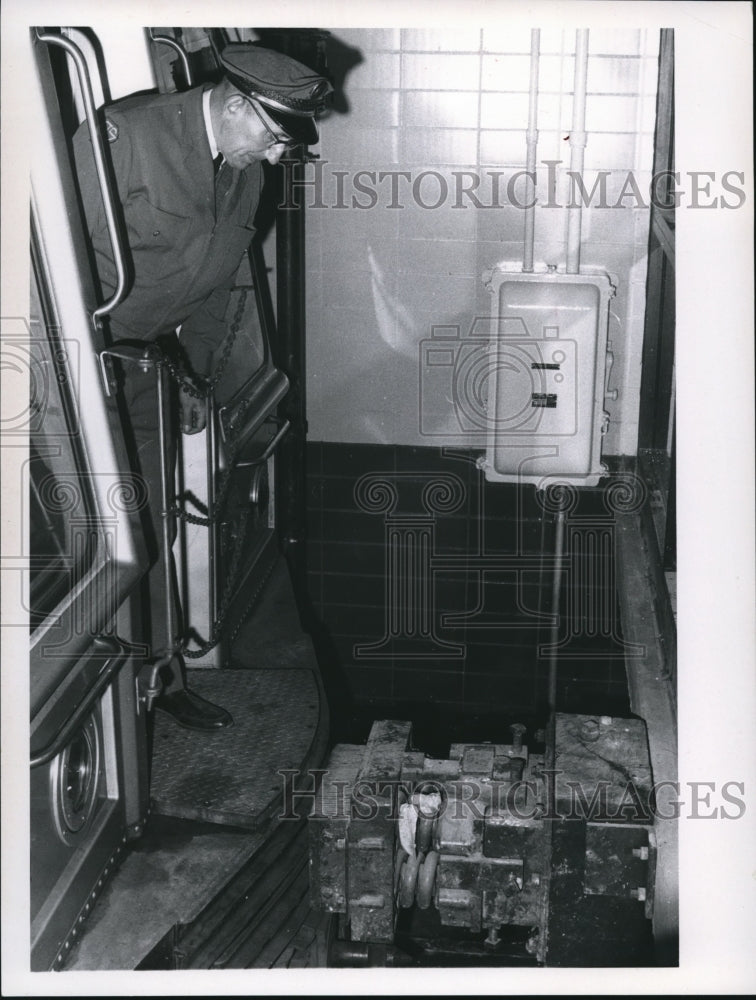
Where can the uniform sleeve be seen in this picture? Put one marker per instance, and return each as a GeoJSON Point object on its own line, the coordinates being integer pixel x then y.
{"type": "Point", "coordinates": [118, 145]}
{"type": "Point", "coordinates": [203, 332]}
{"type": "Point", "coordinates": [118, 149]}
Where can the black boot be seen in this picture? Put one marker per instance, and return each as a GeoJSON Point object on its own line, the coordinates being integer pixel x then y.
{"type": "Point", "coordinates": [192, 711]}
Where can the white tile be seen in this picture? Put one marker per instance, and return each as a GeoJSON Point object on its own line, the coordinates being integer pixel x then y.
{"type": "Point", "coordinates": [503, 148]}
{"type": "Point", "coordinates": [369, 39]}
{"type": "Point", "coordinates": [504, 110]}
{"type": "Point", "coordinates": [439, 109]}
{"type": "Point", "coordinates": [614, 76]}
{"type": "Point", "coordinates": [611, 114]}
{"type": "Point", "coordinates": [377, 70]}
{"type": "Point", "coordinates": [441, 258]}
{"type": "Point", "coordinates": [441, 40]}
{"type": "Point", "coordinates": [431, 147]}
{"type": "Point", "coordinates": [362, 147]}
{"type": "Point", "coordinates": [611, 151]}
{"type": "Point", "coordinates": [437, 71]}
{"type": "Point", "coordinates": [650, 39]}
{"type": "Point", "coordinates": [506, 224]}
{"type": "Point", "coordinates": [444, 223]}
{"type": "Point", "coordinates": [373, 108]}
{"type": "Point", "coordinates": [506, 39]}
{"type": "Point", "coordinates": [614, 41]}
{"type": "Point", "coordinates": [505, 73]}
{"type": "Point", "coordinates": [609, 225]}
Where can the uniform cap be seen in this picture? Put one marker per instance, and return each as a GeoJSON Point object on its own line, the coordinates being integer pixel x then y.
{"type": "Point", "coordinates": [291, 93]}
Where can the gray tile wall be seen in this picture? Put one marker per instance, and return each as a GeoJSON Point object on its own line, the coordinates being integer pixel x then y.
{"type": "Point", "coordinates": [448, 107]}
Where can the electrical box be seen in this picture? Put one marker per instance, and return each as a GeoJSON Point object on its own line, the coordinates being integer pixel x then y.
{"type": "Point", "coordinates": [547, 376]}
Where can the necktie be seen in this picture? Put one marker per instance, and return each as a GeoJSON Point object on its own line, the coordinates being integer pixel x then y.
{"type": "Point", "coordinates": [223, 179]}
{"type": "Point", "coordinates": [216, 164]}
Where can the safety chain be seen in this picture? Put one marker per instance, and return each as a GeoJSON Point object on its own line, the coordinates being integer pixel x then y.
{"type": "Point", "coordinates": [201, 391]}
{"type": "Point", "coordinates": [216, 629]}
{"type": "Point", "coordinates": [181, 377]}
{"type": "Point", "coordinates": [184, 380]}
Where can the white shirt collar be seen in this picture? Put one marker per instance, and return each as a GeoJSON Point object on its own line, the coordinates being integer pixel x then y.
{"type": "Point", "coordinates": [209, 123]}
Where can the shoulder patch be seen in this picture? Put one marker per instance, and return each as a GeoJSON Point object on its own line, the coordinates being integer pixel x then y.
{"type": "Point", "coordinates": [111, 130]}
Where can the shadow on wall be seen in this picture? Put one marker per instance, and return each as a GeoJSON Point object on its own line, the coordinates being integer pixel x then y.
{"type": "Point", "coordinates": [340, 58]}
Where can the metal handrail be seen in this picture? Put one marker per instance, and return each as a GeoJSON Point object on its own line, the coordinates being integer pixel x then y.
{"type": "Point", "coordinates": [270, 448]}
{"type": "Point", "coordinates": [119, 654]}
{"type": "Point", "coordinates": [103, 177]}
{"type": "Point", "coordinates": [167, 40]}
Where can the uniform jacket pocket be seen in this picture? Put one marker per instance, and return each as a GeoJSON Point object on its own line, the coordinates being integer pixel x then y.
{"type": "Point", "coordinates": [153, 228]}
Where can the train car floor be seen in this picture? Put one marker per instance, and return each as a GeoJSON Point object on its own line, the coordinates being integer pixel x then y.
{"type": "Point", "coordinates": [215, 797]}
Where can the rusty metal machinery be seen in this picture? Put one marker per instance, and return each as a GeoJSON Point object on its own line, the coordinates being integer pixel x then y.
{"type": "Point", "coordinates": [469, 840]}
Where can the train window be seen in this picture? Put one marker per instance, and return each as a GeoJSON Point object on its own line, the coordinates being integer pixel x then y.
{"type": "Point", "coordinates": [61, 526]}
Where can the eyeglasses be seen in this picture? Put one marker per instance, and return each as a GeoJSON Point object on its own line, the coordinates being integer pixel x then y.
{"type": "Point", "coordinates": [275, 140]}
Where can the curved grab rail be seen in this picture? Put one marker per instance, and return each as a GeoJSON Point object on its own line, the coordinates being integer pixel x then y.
{"type": "Point", "coordinates": [103, 177]}
{"type": "Point", "coordinates": [166, 40]}
{"type": "Point", "coordinates": [117, 653]}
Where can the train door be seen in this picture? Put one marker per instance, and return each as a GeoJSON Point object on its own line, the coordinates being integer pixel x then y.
{"type": "Point", "coordinates": [88, 785]}
{"type": "Point", "coordinates": [94, 774]}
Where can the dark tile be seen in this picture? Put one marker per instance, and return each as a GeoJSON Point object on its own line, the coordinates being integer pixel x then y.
{"type": "Point", "coordinates": [512, 694]}
{"type": "Point", "coordinates": [353, 589]}
{"type": "Point", "coordinates": [344, 649]}
{"type": "Point", "coordinates": [370, 682]}
{"type": "Point", "coordinates": [598, 672]}
{"type": "Point", "coordinates": [496, 659]}
{"type": "Point", "coordinates": [364, 623]}
{"type": "Point", "coordinates": [450, 593]}
{"type": "Point", "coordinates": [499, 500]}
{"type": "Point", "coordinates": [355, 460]}
{"type": "Point", "coordinates": [338, 493]}
{"type": "Point", "coordinates": [343, 557]}
{"type": "Point", "coordinates": [421, 460]}
{"type": "Point", "coordinates": [428, 685]}
{"type": "Point", "coordinates": [314, 458]}
{"type": "Point", "coordinates": [496, 535]}
{"type": "Point", "coordinates": [581, 697]}
{"type": "Point", "coordinates": [314, 555]}
{"type": "Point", "coordinates": [353, 527]}
{"type": "Point", "coordinates": [314, 526]}
{"type": "Point", "coordinates": [451, 535]}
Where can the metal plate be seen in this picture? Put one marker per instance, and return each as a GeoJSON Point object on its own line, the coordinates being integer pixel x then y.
{"type": "Point", "coordinates": [603, 769]}
{"type": "Point", "coordinates": [232, 776]}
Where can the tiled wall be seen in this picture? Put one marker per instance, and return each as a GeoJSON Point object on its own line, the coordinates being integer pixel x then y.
{"type": "Point", "coordinates": [455, 103]}
{"type": "Point", "coordinates": [446, 108]}
{"type": "Point", "coordinates": [480, 577]}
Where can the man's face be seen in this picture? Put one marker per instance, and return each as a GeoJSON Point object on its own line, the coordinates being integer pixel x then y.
{"type": "Point", "coordinates": [247, 134]}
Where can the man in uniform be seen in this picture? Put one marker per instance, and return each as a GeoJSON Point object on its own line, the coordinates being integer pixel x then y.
{"type": "Point", "coordinates": [188, 168]}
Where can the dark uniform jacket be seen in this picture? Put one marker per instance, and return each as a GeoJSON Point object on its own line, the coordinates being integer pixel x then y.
{"type": "Point", "coordinates": [184, 258]}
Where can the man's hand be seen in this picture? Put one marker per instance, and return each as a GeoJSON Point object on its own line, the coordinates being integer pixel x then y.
{"type": "Point", "coordinates": [193, 413]}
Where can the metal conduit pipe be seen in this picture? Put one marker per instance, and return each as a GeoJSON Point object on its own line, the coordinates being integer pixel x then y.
{"type": "Point", "coordinates": [531, 137]}
{"type": "Point", "coordinates": [577, 147]}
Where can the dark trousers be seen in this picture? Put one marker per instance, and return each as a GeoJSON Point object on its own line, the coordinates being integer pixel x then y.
{"type": "Point", "coordinates": [138, 408]}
